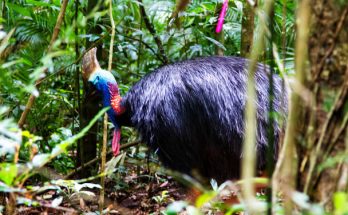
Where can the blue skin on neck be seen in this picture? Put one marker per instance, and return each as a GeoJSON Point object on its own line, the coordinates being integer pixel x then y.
{"type": "Point", "coordinates": [103, 80]}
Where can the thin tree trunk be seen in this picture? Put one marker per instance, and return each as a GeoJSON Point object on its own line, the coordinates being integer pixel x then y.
{"type": "Point", "coordinates": [77, 76]}
{"type": "Point", "coordinates": [87, 148]}
{"type": "Point", "coordinates": [247, 29]}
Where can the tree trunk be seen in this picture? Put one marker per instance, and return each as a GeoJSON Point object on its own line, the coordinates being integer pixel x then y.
{"type": "Point", "coordinates": [87, 148]}
{"type": "Point", "coordinates": [247, 29]}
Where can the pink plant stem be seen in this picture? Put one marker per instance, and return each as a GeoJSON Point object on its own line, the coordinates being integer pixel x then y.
{"type": "Point", "coordinates": [221, 17]}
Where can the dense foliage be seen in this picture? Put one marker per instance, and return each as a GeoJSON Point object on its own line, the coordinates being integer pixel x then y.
{"type": "Point", "coordinates": [49, 136]}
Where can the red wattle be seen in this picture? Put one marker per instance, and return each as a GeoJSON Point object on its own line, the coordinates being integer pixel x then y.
{"type": "Point", "coordinates": [116, 146]}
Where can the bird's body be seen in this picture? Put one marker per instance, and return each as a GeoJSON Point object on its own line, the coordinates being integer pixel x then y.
{"type": "Point", "coordinates": [191, 114]}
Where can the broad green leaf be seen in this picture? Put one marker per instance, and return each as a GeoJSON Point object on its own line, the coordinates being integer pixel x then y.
{"type": "Point", "coordinates": [217, 43]}
{"type": "Point", "coordinates": [8, 172]}
{"type": "Point", "coordinates": [19, 9]}
{"type": "Point", "coordinates": [340, 202]}
{"type": "Point", "coordinates": [204, 198]}
{"type": "Point", "coordinates": [39, 3]}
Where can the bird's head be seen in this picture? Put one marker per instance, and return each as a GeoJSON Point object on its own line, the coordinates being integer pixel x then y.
{"type": "Point", "coordinates": [105, 84]}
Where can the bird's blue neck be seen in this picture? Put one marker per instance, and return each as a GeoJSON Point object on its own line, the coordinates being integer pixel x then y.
{"type": "Point", "coordinates": [111, 98]}
{"type": "Point", "coordinates": [107, 86]}
{"type": "Point", "coordinates": [106, 101]}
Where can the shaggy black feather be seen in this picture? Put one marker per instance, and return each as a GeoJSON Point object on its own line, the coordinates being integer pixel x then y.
{"type": "Point", "coordinates": [192, 114]}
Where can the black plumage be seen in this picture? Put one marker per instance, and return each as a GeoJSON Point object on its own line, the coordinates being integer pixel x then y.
{"type": "Point", "coordinates": [191, 114]}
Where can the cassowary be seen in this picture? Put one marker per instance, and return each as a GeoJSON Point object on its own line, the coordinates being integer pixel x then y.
{"type": "Point", "coordinates": [191, 113]}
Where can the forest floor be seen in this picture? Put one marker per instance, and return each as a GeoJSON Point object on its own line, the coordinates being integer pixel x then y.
{"type": "Point", "coordinates": [131, 194]}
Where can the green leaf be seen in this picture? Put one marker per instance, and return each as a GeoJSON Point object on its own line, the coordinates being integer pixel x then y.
{"type": "Point", "coordinates": [40, 3]}
{"type": "Point", "coordinates": [19, 9]}
{"type": "Point", "coordinates": [15, 62]}
{"type": "Point", "coordinates": [8, 172]}
{"type": "Point", "coordinates": [340, 202]}
{"type": "Point", "coordinates": [206, 197]}
{"type": "Point", "coordinates": [217, 43]}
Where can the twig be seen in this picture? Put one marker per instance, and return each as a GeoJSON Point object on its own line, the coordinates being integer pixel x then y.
{"type": "Point", "coordinates": [56, 30]}
{"type": "Point", "coordinates": [332, 47]}
{"type": "Point", "coordinates": [152, 30]}
{"type": "Point", "coordinates": [95, 160]}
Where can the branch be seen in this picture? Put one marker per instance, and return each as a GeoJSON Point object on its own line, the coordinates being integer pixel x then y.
{"type": "Point", "coordinates": [152, 30]}
{"type": "Point", "coordinates": [56, 30]}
